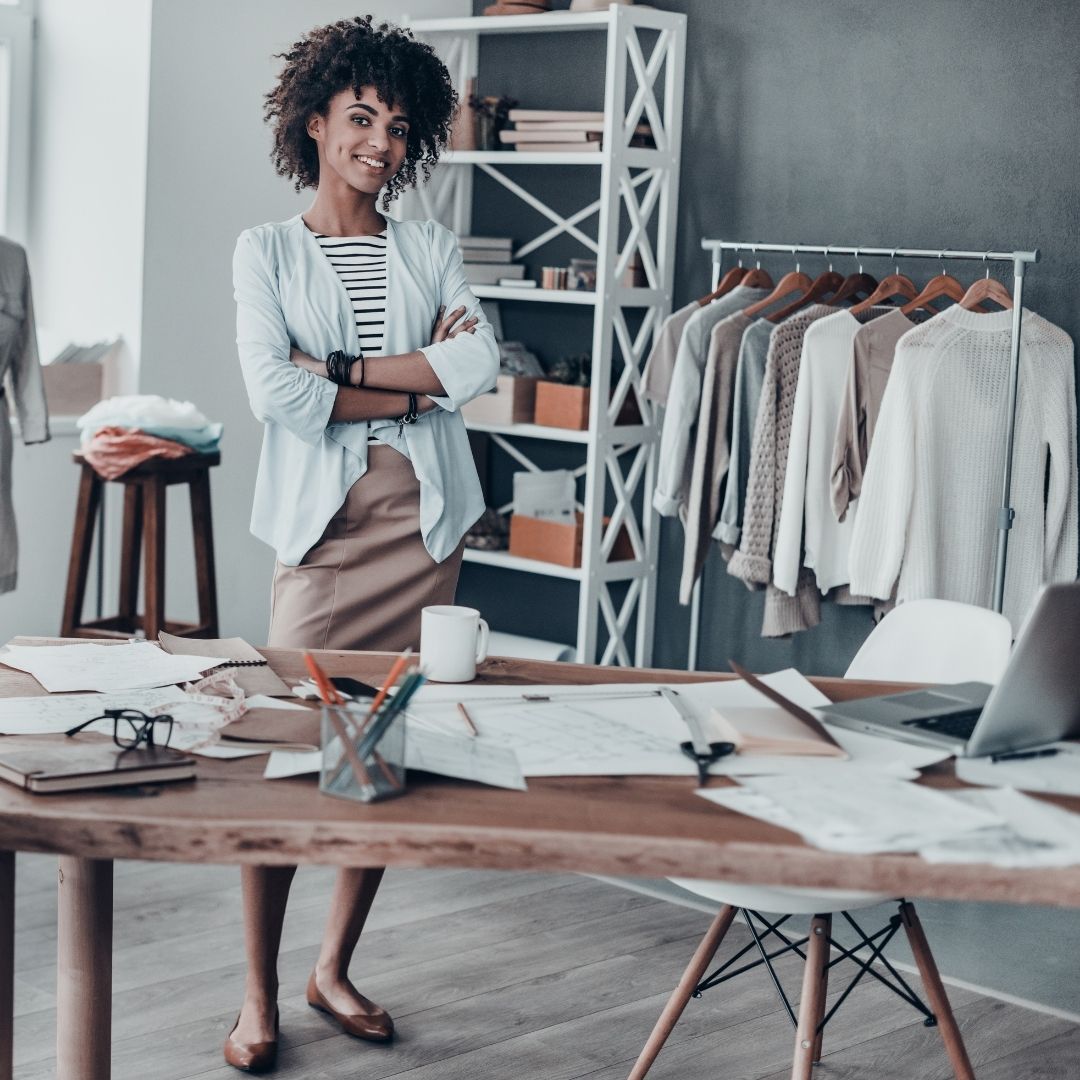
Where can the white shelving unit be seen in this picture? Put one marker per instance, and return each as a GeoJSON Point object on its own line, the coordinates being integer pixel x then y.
{"type": "Point", "coordinates": [638, 187]}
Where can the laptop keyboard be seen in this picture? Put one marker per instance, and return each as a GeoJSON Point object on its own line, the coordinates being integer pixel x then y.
{"type": "Point", "coordinates": [959, 725]}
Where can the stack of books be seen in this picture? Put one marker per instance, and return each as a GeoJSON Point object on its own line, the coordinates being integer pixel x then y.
{"type": "Point", "coordinates": [488, 260]}
{"type": "Point", "coordinates": [566, 131]}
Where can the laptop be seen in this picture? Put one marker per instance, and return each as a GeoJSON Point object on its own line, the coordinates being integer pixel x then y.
{"type": "Point", "coordinates": [1036, 702]}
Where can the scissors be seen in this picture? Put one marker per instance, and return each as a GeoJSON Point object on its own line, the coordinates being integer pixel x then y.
{"type": "Point", "coordinates": [716, 751]}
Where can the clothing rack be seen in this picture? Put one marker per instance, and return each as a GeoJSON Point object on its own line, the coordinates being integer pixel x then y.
{"type": "Point", "coordinates": [1019, 259]}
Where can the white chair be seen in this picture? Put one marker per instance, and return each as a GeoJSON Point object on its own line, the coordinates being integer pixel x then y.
{"type": "Point", "coordinates": [921, 641]}
{"type": "Point", "coordinates": [935, 641]}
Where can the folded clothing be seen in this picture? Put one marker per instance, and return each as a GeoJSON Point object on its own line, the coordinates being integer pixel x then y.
{"type": "Point", "coordinates": [152, 414]}
{"type": "Point", "coordinates": [113, 451]}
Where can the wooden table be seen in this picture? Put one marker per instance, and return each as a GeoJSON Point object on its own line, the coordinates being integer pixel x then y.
{"type": "Point", "coordinates": [633, 826]}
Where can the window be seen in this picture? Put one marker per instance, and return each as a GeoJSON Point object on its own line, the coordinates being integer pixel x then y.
{"type": "Point", "coordinates": [16, 57]}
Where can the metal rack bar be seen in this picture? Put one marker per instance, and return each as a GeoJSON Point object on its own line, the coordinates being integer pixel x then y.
{"type": "Point", "coordinates": [1019, 259]}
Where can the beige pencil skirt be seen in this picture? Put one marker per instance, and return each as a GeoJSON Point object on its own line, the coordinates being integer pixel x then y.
{"type": "Point", "coordinates": [363, 584]}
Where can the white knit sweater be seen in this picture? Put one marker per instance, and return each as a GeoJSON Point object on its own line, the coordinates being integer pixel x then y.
{"type": "Point", "coordinates": [929, 504]}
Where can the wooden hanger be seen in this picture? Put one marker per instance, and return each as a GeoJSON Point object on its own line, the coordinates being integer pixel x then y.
{"type": "Point", "coordinates": [757, 279]}
{"type": "Point", "coordinates": [941, 285]}
{"type": "Point", "coordinates": [986, 288]}
{"type": "Point", "coordinates": [853, 285]}
{"type": "Point", "coordinates": [823, 285]}
{"type": "Point", "coordinates": [893, 285]}
{"type": "Point", "coordinates": [793, 281]}
{"type": "Point", "coordinates": [728, 282]}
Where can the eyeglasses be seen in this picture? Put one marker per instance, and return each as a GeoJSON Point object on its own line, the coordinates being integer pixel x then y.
{"type": "Point", "coordinates": [132, 728]}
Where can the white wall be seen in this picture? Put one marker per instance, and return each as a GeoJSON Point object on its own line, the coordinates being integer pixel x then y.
{"type": "Point", "coordinates": [209, 177]}
{"type": "Point", "coordinates": [88, 168]}
{"type": "Point", "coordinates": [85, 246]}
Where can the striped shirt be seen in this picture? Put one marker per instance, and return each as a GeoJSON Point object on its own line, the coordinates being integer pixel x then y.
{"type": "Point", "coordinates": [360, 262]}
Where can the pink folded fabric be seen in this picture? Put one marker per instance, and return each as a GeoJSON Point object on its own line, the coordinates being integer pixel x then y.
{"type": "Point", "coordinates": [114, 451]}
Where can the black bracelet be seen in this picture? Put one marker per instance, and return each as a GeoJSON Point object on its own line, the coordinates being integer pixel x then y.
{"type": "Point", "coordinates": [411, 414]}
{"type": "Point", "coordinates": [339, 367]}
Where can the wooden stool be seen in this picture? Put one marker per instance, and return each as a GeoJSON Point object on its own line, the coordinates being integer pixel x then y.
{"type": "Point", "coordinates": [144, 519]}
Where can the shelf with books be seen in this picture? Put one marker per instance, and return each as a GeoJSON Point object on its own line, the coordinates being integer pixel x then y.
{"type": "Point", "coordinates": [623, 216]}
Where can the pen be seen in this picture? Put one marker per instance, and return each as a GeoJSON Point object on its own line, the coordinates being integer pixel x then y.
{"type": "Point", "coordinates": [1024, 755]}
{"type": "Point", "coordinates": [468, 719]}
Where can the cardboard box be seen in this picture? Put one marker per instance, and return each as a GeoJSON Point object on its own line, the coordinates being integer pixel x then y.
{"type": "Point", "coordinates": [562, 406]}
{"type": "Point", "coordinates": [71, 389]}
{"type": "Point", "coordinates": [555, 542]}
{"type": "Point", "coordinates": [511, 402]}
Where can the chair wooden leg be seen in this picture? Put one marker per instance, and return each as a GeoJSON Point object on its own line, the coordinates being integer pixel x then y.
{"type": "Point", "coordinates": [935, 991]}
{"type": "Point", "coordinates": [203, 535]}
{"type": "Point", "coordinates": [682, 993]}
{"type": "Point", "coordinates": [154, 572]}
{"type": "Point", "coordinates": [812, 1001]}
{"type": "Point", "coordinates": [823, 994]}
{"type": "Point", "coordinates": [130, 559]}
{"type": "Point", "coordinates": [82, 539]}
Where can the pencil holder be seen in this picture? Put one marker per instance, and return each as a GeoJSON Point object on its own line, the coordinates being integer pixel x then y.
{"type": "Point", "coordinates": [352, 771]}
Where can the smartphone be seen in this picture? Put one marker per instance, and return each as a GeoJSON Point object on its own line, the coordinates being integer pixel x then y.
{"type": "Point", "coordinates": [353, 688]}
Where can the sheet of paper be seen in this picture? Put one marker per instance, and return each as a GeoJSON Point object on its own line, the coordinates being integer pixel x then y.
{"type": "Point", "coordinates": [462, 757]}
{"type": "Point", "coordinates": [858, 811]}
{"type": "Point", "coordinates": [47, 714]}
{"type": "Point", "coordinates": [264, 701]}
{"type": "Point", "coordinates": [621, 729]}
{"type": "Point", "coordinates": [140, 664]}
{"type": "Point", "coordinates": [285, 763]}
{"type": "Point", "coordinates": [1058, 775]}
{"type": "Point", "coordinates": [1035, 833]}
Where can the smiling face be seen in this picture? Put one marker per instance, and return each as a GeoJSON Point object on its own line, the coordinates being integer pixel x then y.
{"type": "Point", "coordinates": [361, 140]}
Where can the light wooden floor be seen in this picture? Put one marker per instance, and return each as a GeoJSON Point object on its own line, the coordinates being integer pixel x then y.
{"type": "Point", "coordinates": [493, 976]}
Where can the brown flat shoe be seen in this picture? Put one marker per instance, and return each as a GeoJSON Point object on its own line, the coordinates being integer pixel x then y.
{"type": "Point", "coordinates": [376, 1027]}
{"type": "Point", "coordinates": [252, 1057]}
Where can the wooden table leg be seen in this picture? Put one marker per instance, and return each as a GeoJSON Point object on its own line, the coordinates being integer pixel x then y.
{"type": "Point", "coordinates": [7, 960]}
{"type": "Point", "coordinates": [84, 969]}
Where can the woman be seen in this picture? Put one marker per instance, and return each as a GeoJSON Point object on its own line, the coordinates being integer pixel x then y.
{"type": "Point", "coordinates": [366, 484]}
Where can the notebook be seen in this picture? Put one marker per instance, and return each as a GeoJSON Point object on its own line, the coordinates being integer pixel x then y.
{"type": "Point", "coordinates": [249, 667]}
{"type": "Point", "coordinates": [274, 729]}
{"type": "Point", "coordinates": [44, 766]}
{"type": "Point", "coordinates": [770, 730]}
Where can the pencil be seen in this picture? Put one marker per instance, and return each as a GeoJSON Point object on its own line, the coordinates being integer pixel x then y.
{"type": "Point", "coordinates": [467, 718]}
{"type": "Point", "coordinates": [395, 671]}
{"type": "Point", "coordinates": [326, 688]}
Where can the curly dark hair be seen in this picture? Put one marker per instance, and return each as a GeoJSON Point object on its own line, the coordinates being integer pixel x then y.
{"type": "Point", "coordinates": [352, 54]}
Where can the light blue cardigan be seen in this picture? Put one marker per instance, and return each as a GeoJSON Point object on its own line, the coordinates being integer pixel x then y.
{"type": "Point", "coordinates": [287, 293]}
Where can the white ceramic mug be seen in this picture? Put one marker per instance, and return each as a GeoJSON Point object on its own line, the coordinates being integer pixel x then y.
{"type": "Point", "coordinates": [453, 640]}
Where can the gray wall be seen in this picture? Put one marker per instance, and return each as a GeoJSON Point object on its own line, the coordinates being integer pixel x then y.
{"type": "Point", "coordinates": [922, 124]}
{"type": "Point", "coordinates": [209, 177]}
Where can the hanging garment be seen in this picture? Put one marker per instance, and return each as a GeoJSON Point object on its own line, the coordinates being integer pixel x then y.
{"type": "Point", "coordinates": [748, 378]}
{"type": "Point", "coordinates": [752, 563]}
{"type": "Point", "coordinates": [712, 447]}
{"type": "Point", "coordinates": [808, 533]}
{"type": "Point", "coordinates": [928, 512]}
{"type": "Point", "coordinates": [656, 378]}
{"type": "Point", "coordinates": [684, 397]}
{"type": "Point", "coordinates": [21, 384]}
{"type": "Point", "coordinates": [868, 375]}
